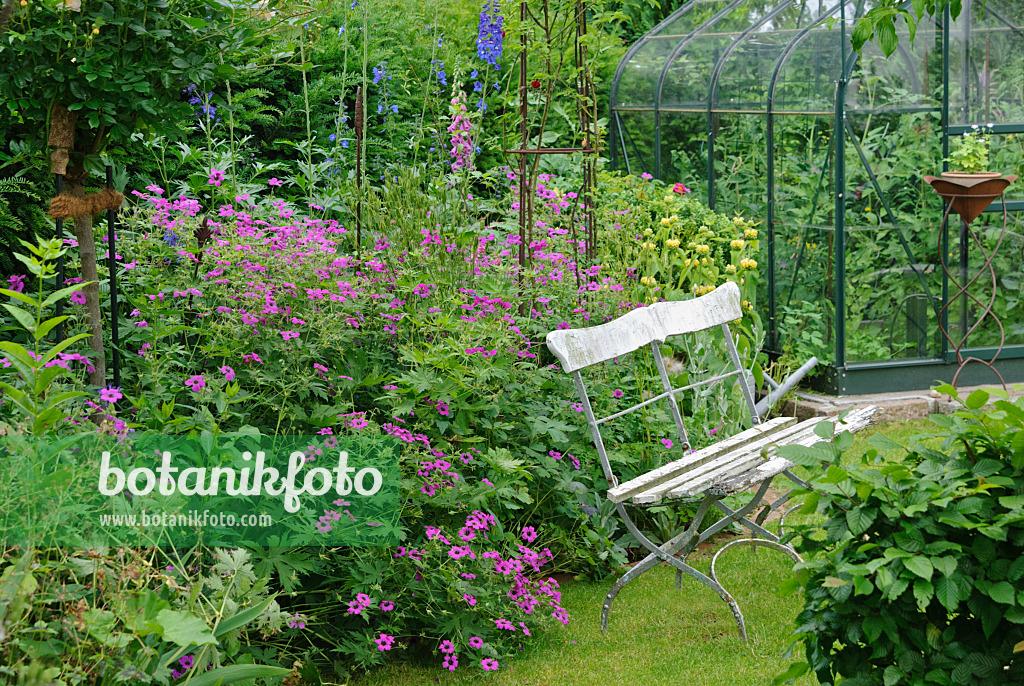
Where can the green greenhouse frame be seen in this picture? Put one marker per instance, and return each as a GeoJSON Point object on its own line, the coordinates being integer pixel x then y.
{"type": "Point", "coordinates": [765, 110]}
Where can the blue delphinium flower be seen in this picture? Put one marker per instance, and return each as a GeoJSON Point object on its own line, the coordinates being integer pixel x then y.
{"type": "Point", "coordinates": [437, 66]}
{"type": "Point", "coordinates": [489, 34]}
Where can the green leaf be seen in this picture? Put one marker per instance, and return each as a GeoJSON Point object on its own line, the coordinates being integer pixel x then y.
{"type": "Point", "coordinates": [183, 629]}
{"type": "Point", "coordinates": [948, 593]}
{"type": "Point", "coordinates": [919, 565]}
{"type": "Point", "coordinates": [860, 518]}
{"type": "Point", "coordinates": [18, 356]}
{"type": "Point", "coordinates": [26, 319]}
{"type": "Point", "coordinates": [923, 592]}
{"type": "Point", "coordinates": [824, 429]}
{"type": "Point", "coordinates": [977, 399]}
{"type": "Point", "coordinates": [45, 327]}
{"type": "Point", "coordinates": [795, 671]}
{"type": "Point", "coordinates": [233, 673]}
{"type": "Point", "coordinates": [884, 443]}
{"type": "Point", "coordinates": [242, 618]}
{"type": "Point", "coordinates": [64, 292]}
{"type": "Point", "coordinates": [885, 30]}
{"type": "Point", "coordinates": [810, 505]}
{"type": "Point", "coordinates": [1002, 592]}
{"type": "Point", "coordinates": [1016, 570]}
{"type": "Point", "coordinates": [862, 585]}
{"type": "Point", "coordinates": [59, 348]}
{"type": "Point", "coordinates": [946, 565]}
{"type": "Point", "coordinates": [892, 675]}
{"type": "Point", "coordinates": [1012, 502]}
{"type": "Point", "coordinates": [24, 297]}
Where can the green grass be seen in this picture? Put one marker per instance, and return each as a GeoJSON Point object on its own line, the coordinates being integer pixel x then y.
{"type": "Point", "coordinates": [657, 634]}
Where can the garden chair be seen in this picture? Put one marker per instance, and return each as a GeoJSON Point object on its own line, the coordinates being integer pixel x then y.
{"type": "Point", "coordinates": [733, 465]}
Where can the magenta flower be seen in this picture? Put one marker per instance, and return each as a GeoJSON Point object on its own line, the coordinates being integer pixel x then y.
{"type": "Point", "coordinates": [196, 383]}
{"type": "Point", "coordinates": [617, 393]}
{"type": "Point", "coordinates": [489, 663]}
{"type": "Point", "coordinates": [110, 394]}
{"type": "Point", "coordinates": [667, 442]}
{"type": "Point", "coordinates": [387, 606]}
{"type": "Point", "coordinates": [469, 599]}
{"type": "Point", "coordinates": [504, 624]}
{"type": "Point", "coordinates": [447, 647]}
{"type": "Point", "coordinates": [17, 282]}
{"type": "Point", "coordinates": [384, 642]}
{"type": "Point", "coordinates": [476, 642]}
{"type": "Point", "coordinates": [358, 423]}
{"type": "Point", "coordinates": [450, 662]}
{"type": "Point", "coordinates": [289, 334]}
{"type": "Point", "coordinates": [216, 177]}
{"type": "Point", "coordinates": [78, 297]}
{"type": "Point", "coordinates": [274, 182]}
{"type": "Point", "coordinates": [228, 373]}
{"type": "Point", "coordinates": [529, 534]}
{"type": "Point", "coordinates": [680, 188]}
{"type": "Point", "coordinates": [525, 629]}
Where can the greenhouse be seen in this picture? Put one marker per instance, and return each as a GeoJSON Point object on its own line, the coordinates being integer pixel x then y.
{"type": "Point", "coordinates": [766, 111]}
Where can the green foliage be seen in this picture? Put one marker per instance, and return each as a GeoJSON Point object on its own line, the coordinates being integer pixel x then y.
{"type": "Point", "coordinates": [971, 153]}
{"type": "Point", "coordinates": [31, 393]}
{"type": "Point", "coordinates": [119, 65]}
{"type": "Point", "coordinates": [914, 576]}
{"type": "Point", "coordinates": [879, 23]}
{"type": "Point", "coordinates": [113, 617]}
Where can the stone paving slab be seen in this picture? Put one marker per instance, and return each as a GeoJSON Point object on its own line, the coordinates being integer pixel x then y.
{"type": "Point", "coordinates": [900, 406]}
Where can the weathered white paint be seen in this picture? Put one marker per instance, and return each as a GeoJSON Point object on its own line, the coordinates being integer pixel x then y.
{"type": "Point", "coordinates": [579, 348]}
{"type": "Point", "coordinates": [646, 482]}
{"type": "Point", "coordinates": [749, 464]}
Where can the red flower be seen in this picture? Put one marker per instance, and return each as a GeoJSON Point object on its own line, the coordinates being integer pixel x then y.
{"type": "Point", "coordinates": [535, 84]}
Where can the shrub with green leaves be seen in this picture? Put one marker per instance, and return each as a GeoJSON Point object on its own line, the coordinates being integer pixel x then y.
{"type": "Point", "coordinates": [916, 575]}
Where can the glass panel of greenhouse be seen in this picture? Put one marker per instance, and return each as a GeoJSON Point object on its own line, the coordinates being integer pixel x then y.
{"type": "Point", "coordinates": [763, 108]}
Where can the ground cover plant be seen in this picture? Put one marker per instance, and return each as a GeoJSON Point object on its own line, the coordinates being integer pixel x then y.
{"type": "Point", "coordinates": [913, 577]}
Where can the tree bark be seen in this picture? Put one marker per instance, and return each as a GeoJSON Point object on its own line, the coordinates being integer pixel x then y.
{"type": "Point", "coordinates": [6, 11]}
{"type": "Point", "coordinates": [75, 186]}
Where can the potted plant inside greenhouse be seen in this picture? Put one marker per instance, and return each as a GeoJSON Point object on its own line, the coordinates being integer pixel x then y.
{"type": "Point", "coordinates": [969, 185]}
{"type": "Point", "coordinates": [969, 162]}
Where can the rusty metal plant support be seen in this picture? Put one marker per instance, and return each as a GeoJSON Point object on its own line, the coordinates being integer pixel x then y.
{"type": "Point", "coordinates": [586, 103]}
{"type": "Point", "coordinates": [969, 198]}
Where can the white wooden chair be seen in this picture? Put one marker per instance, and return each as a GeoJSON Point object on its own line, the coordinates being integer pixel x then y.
{"type": "Point", "coordinates": [707, 475]}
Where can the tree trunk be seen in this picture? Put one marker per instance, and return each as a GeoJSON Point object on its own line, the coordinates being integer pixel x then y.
{"type": "Point", "coordinates": [75, 187]}
{"type": "Point", "coordinates": [6, 11]}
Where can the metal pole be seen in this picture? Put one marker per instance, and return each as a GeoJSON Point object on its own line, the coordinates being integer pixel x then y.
{"type": "Point", "coordinates": [839, 133]}
{"type": "Point", "coordinates": [944, 257]}
{"type": "Point", "coordinates": [112, 270]}
{"type": "Point", "coordinates": [359, 171]}
{"type": "Point", "coordinates": [58, 181]}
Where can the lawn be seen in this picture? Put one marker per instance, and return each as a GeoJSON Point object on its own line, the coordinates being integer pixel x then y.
{"type": "Point", "coordinates": [657, 634]}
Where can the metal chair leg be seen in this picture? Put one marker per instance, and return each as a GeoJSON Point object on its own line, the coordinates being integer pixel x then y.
{"type": "Point", "coordinates": [682, 543]}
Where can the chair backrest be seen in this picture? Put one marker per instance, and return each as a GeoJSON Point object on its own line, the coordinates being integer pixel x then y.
{"type": "Point", "coordinates": [578, 349]}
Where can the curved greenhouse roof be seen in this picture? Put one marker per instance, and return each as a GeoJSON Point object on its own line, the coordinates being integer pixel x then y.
{"type": "Point", "coordinates": [764, 110]}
